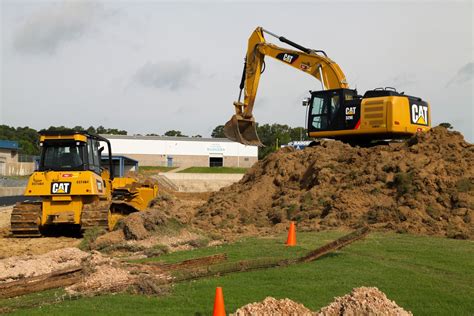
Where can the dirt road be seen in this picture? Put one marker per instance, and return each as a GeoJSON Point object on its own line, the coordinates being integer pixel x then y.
{"type": "Point", "coordinates": [28, 246]}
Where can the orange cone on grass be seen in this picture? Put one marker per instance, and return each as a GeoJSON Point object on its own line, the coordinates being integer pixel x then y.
{"type": "Point", "coordinates": [291, 240]}
{"type": "Point", "coordinates": [219, 309]}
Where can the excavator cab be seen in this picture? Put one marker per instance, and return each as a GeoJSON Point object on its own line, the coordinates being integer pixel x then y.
{"type": "Point", "coordinates": [330, 110]}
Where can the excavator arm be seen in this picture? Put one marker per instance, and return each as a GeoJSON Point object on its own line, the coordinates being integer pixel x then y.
{"type": "Point", "coordinates": [242, 126]}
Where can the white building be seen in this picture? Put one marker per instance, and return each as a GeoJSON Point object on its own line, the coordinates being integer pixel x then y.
{"type": "Point", "coordinates": [183, 151]}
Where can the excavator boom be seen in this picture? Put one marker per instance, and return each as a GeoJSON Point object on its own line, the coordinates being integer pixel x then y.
{"type": "Point", "coordinates": [242, 126]}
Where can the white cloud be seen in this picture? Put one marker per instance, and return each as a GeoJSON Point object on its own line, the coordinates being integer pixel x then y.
{"type": "Point", "coordinates": [463, 75]}
{"type": "Point", "coordinates": [166, 75]}
{"type": "Point", "coordinates": [48, 29]}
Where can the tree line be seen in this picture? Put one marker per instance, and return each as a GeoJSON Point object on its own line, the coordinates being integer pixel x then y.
{"type": "Point", "coordinates": [271, 135]}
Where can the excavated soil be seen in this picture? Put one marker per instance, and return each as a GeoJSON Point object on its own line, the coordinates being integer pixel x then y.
{"type": "Point", "coordinates": [361, 301]}
{"type": "Point", "coordinates": [18, 267]}
{"type": "Point", "coordinates": [272, 306]}
{"type": "Point", "coordinates": [423, 186]}
{"type": "Point", "coordinates": [165, 224]}
{"type": "Point", "coordinates": [10, 246]}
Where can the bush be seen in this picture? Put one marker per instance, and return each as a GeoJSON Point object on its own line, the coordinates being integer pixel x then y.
{"type": "Point", "coordinates": [403, 182]}
{"type": "Point", "coordinates": [89, 236]}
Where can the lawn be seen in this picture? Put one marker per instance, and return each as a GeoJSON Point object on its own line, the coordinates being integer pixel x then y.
{"type": "Point", "coordinates": [426, 275]}
{"type": "Point", "coordinates": [154, 169]}
{"type": "Point", "coordinates": [213, 170]}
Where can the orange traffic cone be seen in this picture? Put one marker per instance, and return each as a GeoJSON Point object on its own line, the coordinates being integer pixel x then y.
{"type": "Point", "coordinates": [291, 240]}
{"type": "Point", "coordinates": [219, 309]}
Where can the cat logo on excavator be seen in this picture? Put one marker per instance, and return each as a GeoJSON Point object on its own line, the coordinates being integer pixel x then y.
{"type": "Point", "coordinates": [419, 114]}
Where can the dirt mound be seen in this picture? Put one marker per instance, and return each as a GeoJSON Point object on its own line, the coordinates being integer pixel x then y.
{"type": "Point", "coordinates": [101, 274]}
{"type": "Point", "coordinates": [272, 306]}
{"type": "Point", "coordinates": [162, 228]}
{"type": "Point", "coordinates": [363, 301]}
{"type": "Point", "coordinates": [423, 185]}
{"type": "Point", "coordinates": [15, 268]}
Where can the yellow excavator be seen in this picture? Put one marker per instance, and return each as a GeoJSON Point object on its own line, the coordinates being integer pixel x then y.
{"type": "Point", "coordinates": [74, 189]}
{"type": "Point", "coordinates": [335, 111]}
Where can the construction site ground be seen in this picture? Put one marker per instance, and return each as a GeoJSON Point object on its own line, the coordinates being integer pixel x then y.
{"type": "Point", "coordinates": [424, 275]}
{"type": "Point", "coordinates": [416, 197]}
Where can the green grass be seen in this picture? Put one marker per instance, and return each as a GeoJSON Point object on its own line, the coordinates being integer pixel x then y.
{"type": "Point", "coordinates": [213, 170]}
{"type": "Point", "coordinates": [149, 169]}
{"type": "Point", "coordinates": [426, 275]}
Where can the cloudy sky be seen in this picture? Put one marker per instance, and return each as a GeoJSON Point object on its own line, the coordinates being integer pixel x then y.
{"type": "Point", "coordinates": [152, 66]}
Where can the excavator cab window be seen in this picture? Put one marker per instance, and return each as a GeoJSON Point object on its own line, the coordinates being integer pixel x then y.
{"type": "Point", "coordinates": [324, 107]}
{"type": "Point", "coordinates": [318, 113]}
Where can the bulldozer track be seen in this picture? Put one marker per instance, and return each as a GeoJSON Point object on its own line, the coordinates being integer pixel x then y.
{"type": "Point", "coordinates": [25, 219]}
{"type": "Point", "coordinates": [95, 214]}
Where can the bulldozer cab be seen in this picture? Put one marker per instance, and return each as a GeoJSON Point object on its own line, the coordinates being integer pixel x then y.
{"type": "Point", "coordinates": [330, 110]}
{"type": "Point", "coordinates": [69, 150]}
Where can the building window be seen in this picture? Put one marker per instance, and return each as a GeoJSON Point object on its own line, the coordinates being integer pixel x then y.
{"type": "Point", "coordinates": [246, 159]}
{"type": "Point", "coordinates": [13, 154]}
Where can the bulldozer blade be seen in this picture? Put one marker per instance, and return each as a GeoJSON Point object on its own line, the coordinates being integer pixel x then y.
{"type": "Point", "coordinates": [243, 131]}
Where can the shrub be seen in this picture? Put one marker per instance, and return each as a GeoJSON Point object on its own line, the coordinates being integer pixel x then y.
{"type": "Point", "coordinates": [89, 236]}
{"type": "Point", "coordinates": [403, 182]}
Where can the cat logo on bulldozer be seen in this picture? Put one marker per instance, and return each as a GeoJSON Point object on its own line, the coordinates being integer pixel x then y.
{"type": "Point", "coordinates": [60, 187]}
{"type": "Point", "coordinates": [419, 114]}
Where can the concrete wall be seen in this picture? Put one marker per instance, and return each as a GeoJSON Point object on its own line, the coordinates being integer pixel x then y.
{"type": "Point", "coordinates": [8, 155]}
{"type": "Point", "coordinates": [201, 182]}
{"type": "Point", "coordinates": [190, 161]}
{"type": "Point", "coordinates": [16, 168]}
{"type": "Point", "coordinates": [12, 191]}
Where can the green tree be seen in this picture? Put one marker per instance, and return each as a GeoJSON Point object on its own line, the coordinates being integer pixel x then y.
{"type": "Point", "coordinates": [218, 132]}
{"type": "Point", "coordinates": [275, 135]}
{"type": "Point", "coordinates": [175, 133]}
{"type": "Point", "coordinates": [26, 137]}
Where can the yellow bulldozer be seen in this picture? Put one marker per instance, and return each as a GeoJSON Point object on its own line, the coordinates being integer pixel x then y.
{"type": "Point", "coordinates": [75, 189]}
{"type": "Point", "coordinates": [334, 111]}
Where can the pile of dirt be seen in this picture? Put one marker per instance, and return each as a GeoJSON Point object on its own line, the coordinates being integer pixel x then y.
{"type": "Point", "coordinates": [101, 274]}
{"type": "Point", "coordinates": [272, 306]}
{"type": "Point", "coordinates": [363, 301]}
{"type": "Point", "coordinates": [18, 267]}
{"type": "Point", "coordinates": [423, 185]}
{"type": "Point", "coordinates": [165, 225]}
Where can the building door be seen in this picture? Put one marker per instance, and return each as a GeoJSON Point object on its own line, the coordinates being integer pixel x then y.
{"type": "Point", "coordinates": [216, 160]}
{"type": "Point", "coordinates": [169, 161]}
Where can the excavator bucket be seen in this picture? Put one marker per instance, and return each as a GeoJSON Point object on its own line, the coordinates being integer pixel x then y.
{"type": "Point", "coordinates": [242, 130]}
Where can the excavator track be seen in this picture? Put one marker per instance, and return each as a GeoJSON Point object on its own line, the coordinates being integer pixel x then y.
{"type": "Point", "coordinates": [25, 219]}
{"type": "Point", "coordinates": [95, 214]}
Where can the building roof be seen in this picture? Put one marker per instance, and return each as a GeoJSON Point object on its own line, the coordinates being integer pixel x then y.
{"type": "Point", "coordinates": [168, 138]}
{"type": "Point", "coordinates": [9, 144]}
{"type": "Point", "coordinates": [119, 157]}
